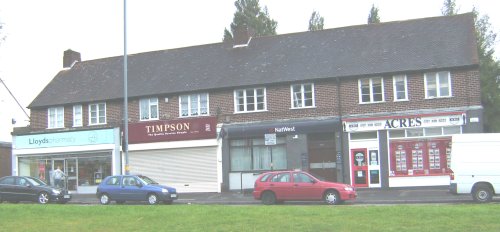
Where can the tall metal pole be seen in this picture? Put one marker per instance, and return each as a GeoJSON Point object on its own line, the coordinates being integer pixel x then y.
{"type": "Point", "coordinates": [125, 87]}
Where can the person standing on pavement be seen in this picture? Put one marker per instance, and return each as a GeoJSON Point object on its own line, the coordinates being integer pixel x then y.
{"type": "Point", "coordinates": [58, 176]}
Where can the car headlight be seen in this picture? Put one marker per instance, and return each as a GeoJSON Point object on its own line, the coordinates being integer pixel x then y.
{"type": "Point", "coordinates": [55, 191]}
{"type": "Point", "coordinates": [164, 190]}
{"type": "Point", "coordinates": [348, 188]}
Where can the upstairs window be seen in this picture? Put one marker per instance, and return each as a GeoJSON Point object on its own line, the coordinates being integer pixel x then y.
{"type": "Point", "coordinates": [437, 84]}
{"type": "Point", "coordinates": [249, 100]}
{"type": "Point", "coordinates": [97, 113]}
{"type": "Point", "coordinates": [77, 116]}
{"type": "Point", "coordinates": [193, 105]}
{"type": "Point", "coordinates": [371, 90]}
{"type": "Point", "coordinates": [302, 95]}
{"type": "Point", "coordinates": [148, 109]}
{"type": "Point", "coordinates": [400, 88]}
{"type": "Point", "coordinates": [56, 117]}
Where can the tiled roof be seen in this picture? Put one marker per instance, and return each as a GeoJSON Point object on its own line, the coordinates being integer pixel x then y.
{"type": "Point", "coordinates": [401, 46]}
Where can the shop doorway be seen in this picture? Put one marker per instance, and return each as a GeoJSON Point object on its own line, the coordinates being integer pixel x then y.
{"type": "Point", "coordinates": [359, 164]}
{"type": "Point", "coordinates": [69, 167]}
{"type": "Point", "coordinates": [322, 158]}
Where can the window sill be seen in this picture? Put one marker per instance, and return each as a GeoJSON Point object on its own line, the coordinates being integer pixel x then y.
{"type": "Point", "coordinates": [249, 112]}
{"type": "Point", "coordinates": [367, 103]}
{"type": "Point", "coordinates": [302, 108]}
{"type": "Point", "coordinates": [432, 98]}
{"type": "Point", "coordinates": [195, 116]}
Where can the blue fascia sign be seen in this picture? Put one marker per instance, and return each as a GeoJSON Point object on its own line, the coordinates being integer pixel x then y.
{"type": "Point", "coordinates": [64, 139]}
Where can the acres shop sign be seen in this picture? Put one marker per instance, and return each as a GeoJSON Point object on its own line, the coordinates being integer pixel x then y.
{"type": "Point", "coordinates": [172, 130]}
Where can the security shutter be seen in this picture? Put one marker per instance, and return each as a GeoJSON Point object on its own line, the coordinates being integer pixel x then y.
{"type": "Point", "coordinates": [186, 169]}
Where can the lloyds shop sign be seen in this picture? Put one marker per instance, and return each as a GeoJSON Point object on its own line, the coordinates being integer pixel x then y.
{"type": "Point", "coordinates": [65, 139]}
{"type": "Point", "coordinates": [391, 123]}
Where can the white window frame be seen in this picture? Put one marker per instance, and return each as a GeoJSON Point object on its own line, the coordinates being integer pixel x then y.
{"type": "Point", "coordinates": [77, 115]}
{"type": "Point", "coordinates": [57, 113]}
{"type": "Point", "coordinates": [360, 90]}
{"type": "Point", "coordinates": [194, 102]}
{"type": "Point", "coordinates": [246, 103]}
{"type": "Point", "coordinates": [98, 116]}
{"type": "Point", "coordinates": [151, 103]}
{"type": "Point", "coordinates": [394, 86]}
{"type": "Point", "coordinates": [435, 77]}
{"type": "Point", "coordinates": [295, 99]}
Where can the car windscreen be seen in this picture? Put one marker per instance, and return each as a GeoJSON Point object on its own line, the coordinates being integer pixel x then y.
{"type": "Point", "coordinates": [35, 181]}
{"type": "Point", "coordinates": [147, 180]}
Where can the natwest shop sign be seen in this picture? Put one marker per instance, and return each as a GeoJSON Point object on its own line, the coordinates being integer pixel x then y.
{"type": "Point", "coordinates": [417, 121]}
{"type": "Point", "coordinates": [172, 130]}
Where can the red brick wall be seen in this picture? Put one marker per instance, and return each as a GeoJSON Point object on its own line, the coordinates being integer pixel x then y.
{"type": "Point", "coordinates": [465, 92]}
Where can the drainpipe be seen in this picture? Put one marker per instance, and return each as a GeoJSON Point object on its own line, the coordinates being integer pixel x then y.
{"type": "Point", "coordinates": [341, 131]}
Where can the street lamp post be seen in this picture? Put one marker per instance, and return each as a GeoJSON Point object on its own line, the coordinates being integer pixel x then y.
{"type": "Point", "coordinates": [125, 87]}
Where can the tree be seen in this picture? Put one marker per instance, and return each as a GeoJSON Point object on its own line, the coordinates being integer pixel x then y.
{"type": "Point", "coordinates": [489, 71]}
{"type": "Point", "coordinates": [449, 8]}
{"type": "Point", "coordinates": [316, 22]}
{"type": "Point", "coordinates": [373, 17]}
{"type": "Point", "coordinates": [489, 68]}
{"type": "Point", "coordinates": [248, 13]}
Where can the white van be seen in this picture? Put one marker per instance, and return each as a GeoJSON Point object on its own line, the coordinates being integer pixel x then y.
{"type": "Point", "coordinates": [475, 163]}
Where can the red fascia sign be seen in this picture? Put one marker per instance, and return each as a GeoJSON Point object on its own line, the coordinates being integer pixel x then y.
{"type": "Point", "coordinates": [172, 130]}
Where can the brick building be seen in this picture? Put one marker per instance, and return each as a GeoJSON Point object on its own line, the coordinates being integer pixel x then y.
{"type": "Point", "coordinates": [5, 159]}
{"type": "Point", "coordinates": [371, 105]}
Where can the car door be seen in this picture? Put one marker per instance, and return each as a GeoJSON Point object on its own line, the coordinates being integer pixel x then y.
{"type": "Point", "coordinates": [281, 185]}
{"type": "Point", "coordinates": [113, 187]}
{"type": "Point", "coordinates": [131, 191]}
{"type": "Point", "coordinates": [305, 187]}
{"type": "Point", "coordinates": [24, 190]}
{"type": "Point", "coordinates": [7, 188]}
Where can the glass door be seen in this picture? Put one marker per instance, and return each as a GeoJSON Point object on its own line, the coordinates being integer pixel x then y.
{"type": "Point", "coordinates": [72, 172]}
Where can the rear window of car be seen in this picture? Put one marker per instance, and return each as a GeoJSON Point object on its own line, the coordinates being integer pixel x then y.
{"type": "Point", "coordinates": [7, 180]}
{"type": "Point", "coordinates": [281, 177]}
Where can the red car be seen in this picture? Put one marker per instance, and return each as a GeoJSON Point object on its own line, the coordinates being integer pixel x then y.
{"type": "Point", "coordinates": [279, 186]}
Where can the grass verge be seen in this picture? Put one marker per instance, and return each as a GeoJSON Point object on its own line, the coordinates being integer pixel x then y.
{"type": "Point", "coordinates": [53, 217]}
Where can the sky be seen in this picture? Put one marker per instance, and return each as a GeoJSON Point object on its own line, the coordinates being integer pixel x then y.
{"type": "Point", "coordinates": [38, 32]}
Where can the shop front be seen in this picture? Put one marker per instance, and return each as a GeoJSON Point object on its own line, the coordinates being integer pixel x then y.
{"type": "Point", "coordinates": [402, 151]}
{"type": "Point", "coordinates": [181, 153]}
{"type": "Point", "coordinates": [253, 148]}
{"type": "Point", "coordinates": [86, 157]}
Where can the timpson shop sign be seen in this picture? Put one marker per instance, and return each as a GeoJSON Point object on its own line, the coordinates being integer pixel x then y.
{"type": "Point", "coordinates": [172, 130]}
{"type": "Point", "coordinates": [408, 122]}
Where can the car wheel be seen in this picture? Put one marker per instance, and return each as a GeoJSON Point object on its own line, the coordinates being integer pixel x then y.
{"type": "Point", "coordinates": [152, 199]}
{"type": "Point", "coordinates": [120, 202]}
{"type": "Point", "coordinates": [268, 198]}
{"type": "Point", "coordinates": [104, 199]}
{"type": "Point", "coordinates": [482, 193]}
{"type": "Point", "coordinates": [43, 198]}
{"type": "Point", "coordinates": [332, 197]}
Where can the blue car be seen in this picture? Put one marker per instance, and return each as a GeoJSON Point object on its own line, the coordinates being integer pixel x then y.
{"type": "Point", "coordinates": [123, 188]}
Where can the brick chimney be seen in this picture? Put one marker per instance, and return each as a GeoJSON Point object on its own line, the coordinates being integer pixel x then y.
{"type": "Point", "coordinates": [70, 58]}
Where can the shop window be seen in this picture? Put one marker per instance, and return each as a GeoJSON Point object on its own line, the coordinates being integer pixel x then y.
{"type": "Point", "coordinates": [302, 95]}
{"type": "Point", "coordinates": [253, 154]}
{"type": "Point", "coordinates": [420, 157]}
{"type": "Point", "coordinates": [452, 130]}
{"type": "Point", "coordinates": [417, 132]}
{"type": "Point", "coordinates": [433, 131]}
{"type": "Point", "coordinates": [364, 135]}
{"type": "Point", "coordinates": [397, 133]}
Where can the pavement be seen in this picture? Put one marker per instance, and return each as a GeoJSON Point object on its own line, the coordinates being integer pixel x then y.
{"type": "Point", "coordinates": [412, 195]}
